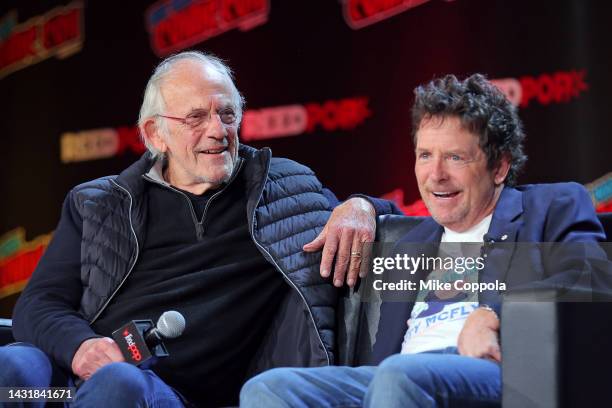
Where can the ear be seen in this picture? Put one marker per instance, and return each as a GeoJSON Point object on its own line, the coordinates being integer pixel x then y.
{"type": "Point", "coordinates": [502, 169]}
{"type": "Point", "coordinates": [152, 132]}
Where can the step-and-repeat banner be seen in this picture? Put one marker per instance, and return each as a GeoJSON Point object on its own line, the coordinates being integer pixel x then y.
{"type": "Point", "coordinates": [328, 83]}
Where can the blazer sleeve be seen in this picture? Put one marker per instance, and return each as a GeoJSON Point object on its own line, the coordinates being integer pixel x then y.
{"type": "Point", "coordinates": [574, 262]}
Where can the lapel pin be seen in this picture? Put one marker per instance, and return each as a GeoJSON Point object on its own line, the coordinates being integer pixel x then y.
{"type": "Point", "coordinates": [504, 237]}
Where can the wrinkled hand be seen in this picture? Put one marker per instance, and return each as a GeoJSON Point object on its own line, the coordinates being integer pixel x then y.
{"type": "Point", "coordinates": [93, 354]}
{"type": "Point", "coordinates": [351, 224]}
{"type": "Point", "coordinates": [479, 336]}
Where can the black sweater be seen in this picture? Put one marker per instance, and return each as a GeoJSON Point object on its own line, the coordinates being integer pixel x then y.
{"type": "Point", "coordinates": [219, 281]}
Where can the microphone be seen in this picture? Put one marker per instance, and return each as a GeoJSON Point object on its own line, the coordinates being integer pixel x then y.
{"type": "Point", "coordinates": [170, 325]}
{"type": "Point", "coordinates": [140, 341]}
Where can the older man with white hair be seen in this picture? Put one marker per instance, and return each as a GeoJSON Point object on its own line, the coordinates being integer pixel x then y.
{"type": "Point", "coordinates": [223, 233]}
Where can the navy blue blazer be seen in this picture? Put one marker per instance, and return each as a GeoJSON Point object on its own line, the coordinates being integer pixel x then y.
{"type": "Point", "coordinates": [560, 212]}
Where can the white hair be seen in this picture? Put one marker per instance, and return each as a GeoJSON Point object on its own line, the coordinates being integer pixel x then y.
{"type": "Point", "coordinates": [153, 103]}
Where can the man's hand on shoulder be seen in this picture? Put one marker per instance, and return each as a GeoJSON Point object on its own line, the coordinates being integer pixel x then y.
{"type": "Point", "coordinates": [480, 336]}
{"type": "Point", "coordinates": [93, 354]}
{"type": "Point", "coordinates": [351, 224]}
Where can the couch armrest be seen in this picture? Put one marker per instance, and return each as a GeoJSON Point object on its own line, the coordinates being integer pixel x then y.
{"type": "Point", "coordinates": [530, 353]}
{"type": "Point", "coordinates": [553, 352]}
{"type": "Point", "coordinates": [6, 332]}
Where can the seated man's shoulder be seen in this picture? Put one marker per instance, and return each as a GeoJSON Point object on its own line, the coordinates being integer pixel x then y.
{"type": "Point", "coordinates": [94, 188]}
{"type": "Point", "coordinates": [283, 167]}
{"type": "Point", "coordinates": [564, 211]}
{"type": "Point", "coordinates": [539, 193]}
{"type": "Point", "coordinates": [279, 166]}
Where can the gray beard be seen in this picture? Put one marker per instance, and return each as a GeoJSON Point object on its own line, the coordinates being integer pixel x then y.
{"type": "Point", "coordinates": [235, 165]}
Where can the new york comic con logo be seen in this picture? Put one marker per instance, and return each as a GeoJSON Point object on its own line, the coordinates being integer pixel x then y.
{"type": "Point", "coordinates": [362, 13]}
{"type": "Point", "coordinates": [57, 33]}
{"type": "Point", "coordinates": [177, 24]}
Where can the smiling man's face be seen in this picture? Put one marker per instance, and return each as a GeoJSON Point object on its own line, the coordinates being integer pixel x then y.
{"type": "Point", "coordinates": [451, 171]}
{"type": "Point", "coordinates": [201, 157]}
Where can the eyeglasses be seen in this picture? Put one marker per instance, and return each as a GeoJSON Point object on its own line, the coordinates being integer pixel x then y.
{"type": "Point", "coordinates": [201, 118]}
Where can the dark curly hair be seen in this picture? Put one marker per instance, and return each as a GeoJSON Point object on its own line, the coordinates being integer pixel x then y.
{"type": "Point", "coordinates": [483, 109]}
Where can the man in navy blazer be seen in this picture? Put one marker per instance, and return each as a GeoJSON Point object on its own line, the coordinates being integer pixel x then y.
{"type": "Point", "coordinates": [541, 213]}
{"type": "Point", "coordinates": [440, 346]}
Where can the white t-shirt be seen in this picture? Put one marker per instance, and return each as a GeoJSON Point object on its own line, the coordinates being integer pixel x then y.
{"type": "Point", "coordinates": [438, 316]}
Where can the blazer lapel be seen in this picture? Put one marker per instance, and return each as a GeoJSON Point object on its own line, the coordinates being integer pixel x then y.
{"type": "Point", "coordinates": [499, 243]}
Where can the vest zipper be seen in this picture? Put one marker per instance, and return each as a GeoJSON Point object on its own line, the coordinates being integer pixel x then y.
{"type": "Point", "coordinates": [104, 306]}
{"type": "Point", "coordinates": [268, 256]}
